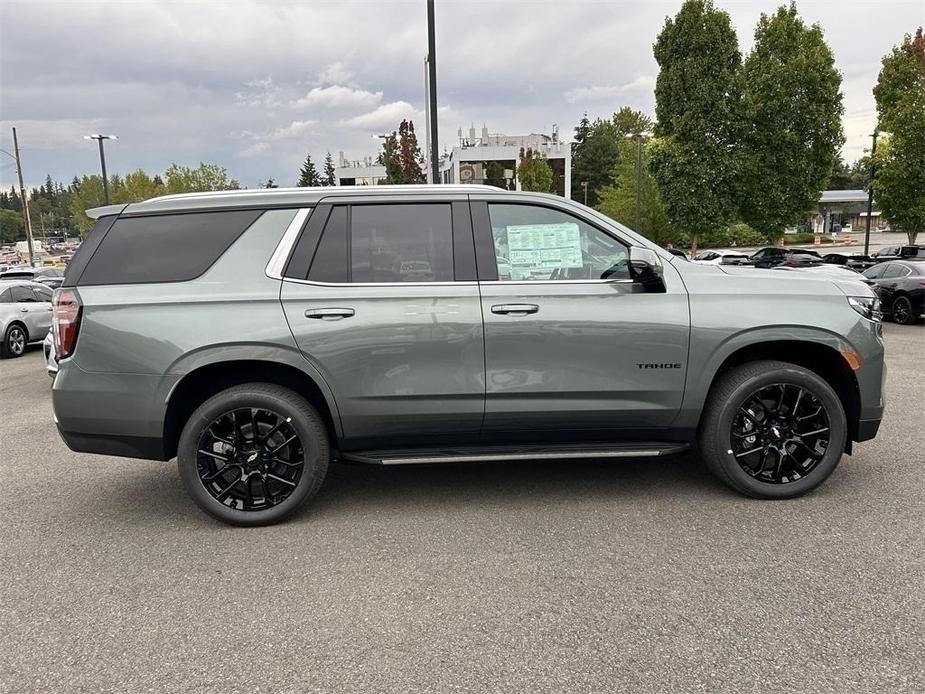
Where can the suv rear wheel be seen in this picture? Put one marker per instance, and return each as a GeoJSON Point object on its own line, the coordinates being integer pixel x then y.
{"type": "Point", "coordinates": [253, 454]}
{"type": "Point", "coordinates": [772, 430]}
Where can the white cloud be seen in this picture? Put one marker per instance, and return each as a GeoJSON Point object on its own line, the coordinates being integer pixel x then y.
{"type": "Point", "coordinates": [338, 96]}
{"type": "Point", "coordinates": [644, 83]}
{"type": "Point", "coordinates": [335, 73]}
{"type": "Point", "coordinates": [297, 128]}
{"type": "Point", "coordinates": [385, 117]}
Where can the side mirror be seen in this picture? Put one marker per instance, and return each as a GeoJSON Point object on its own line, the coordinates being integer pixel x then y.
{"type": "Point", "coordinates": [646, 269]}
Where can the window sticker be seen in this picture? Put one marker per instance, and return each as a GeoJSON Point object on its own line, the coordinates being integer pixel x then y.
{"type": "Point", "coordinates": [539, 248]}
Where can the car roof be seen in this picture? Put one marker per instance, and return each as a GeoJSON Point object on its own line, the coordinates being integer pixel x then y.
{"type": "Point", "coordinates": [278, 197]}
{"type": "Point", "coordinates": [19, 282]}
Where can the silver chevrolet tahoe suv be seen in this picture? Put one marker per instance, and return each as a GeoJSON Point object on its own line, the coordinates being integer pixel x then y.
{"type": "Point", "coordinates": [259, 335]}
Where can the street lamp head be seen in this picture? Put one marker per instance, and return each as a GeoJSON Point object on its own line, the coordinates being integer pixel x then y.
{"type": "Point", "coordinates": [98, 136]}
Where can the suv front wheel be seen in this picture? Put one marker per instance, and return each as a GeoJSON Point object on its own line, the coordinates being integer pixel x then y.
{"type": "Point", "coordinates": [772, 430]}
{"type": "Point", "coordinates": [253, 454]}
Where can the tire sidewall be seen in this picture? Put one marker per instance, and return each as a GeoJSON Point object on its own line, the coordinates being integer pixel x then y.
{"type": "Point", "coordinates": [837, 426]}
{"type": "Point", "coordinates": [314, 447]}
{"type": "Point", "coordinates": [8, 341]}
{"type": "Point", "coordinates": [908, 305]}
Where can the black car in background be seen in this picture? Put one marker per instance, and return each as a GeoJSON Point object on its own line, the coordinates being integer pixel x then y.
{"type": "Point", "coordinates": [772, 256]}
{"type": "Point", "coordinates": [898, 253]}
{"type": "Point", "coordinates": [901, 286]}
{"type": "Point", "coordinates": [855, 262]}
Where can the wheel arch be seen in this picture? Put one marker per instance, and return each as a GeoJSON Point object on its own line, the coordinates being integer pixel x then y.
{"type": "Point", "coordinates": [201, 383]}
{"type": "Point", "coordinates": [822, 358]}
{"type": "Point", "coordinates": [19, 323]}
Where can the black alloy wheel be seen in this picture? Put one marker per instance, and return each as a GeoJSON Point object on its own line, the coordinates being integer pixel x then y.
{"type": "Point", "coordinates": [780, 433]}
{"type": "Point", "coordinates": [253, 454]}
{"type": "Point", "coordinates": [902, 310]}
{"type": "Point", "coordinates": [250, 459]}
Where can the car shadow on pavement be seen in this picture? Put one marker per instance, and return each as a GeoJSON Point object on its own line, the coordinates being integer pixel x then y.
{"type": "Point", "coordinates": [153, 494]}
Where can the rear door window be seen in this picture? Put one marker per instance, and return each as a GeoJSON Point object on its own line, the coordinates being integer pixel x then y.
{"type": "Point", "coordinates": [164, 248]}
{"type": "Point", "coordinates": [42, 293]}
{"type": "Point", "coordinates": [23, 295]}
{"type": "Point", "coordinates": [401, 243]}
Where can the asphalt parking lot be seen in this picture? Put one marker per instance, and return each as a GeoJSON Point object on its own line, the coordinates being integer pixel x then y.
{"type": "Point", "coordinates": [634, 576]}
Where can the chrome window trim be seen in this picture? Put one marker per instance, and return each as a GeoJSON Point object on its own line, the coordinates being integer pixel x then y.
{"type": "Point", "coordinates": [463, 283]}
{"type": "Point", "coordinates": [277, 263]}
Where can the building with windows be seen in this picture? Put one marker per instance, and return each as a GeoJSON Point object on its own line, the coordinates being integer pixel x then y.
{"type": "Point", "coordinates": [469, 161]}
{"type": "Point", "coordinates": [841, 210]}
{"type": "Point", "coordinates": [362, 172]}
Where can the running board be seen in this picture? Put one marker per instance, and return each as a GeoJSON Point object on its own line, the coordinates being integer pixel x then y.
{"type": "Point", "coordinates": [494, 454]}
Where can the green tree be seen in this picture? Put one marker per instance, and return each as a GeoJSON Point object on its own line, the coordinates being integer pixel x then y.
{"type": "Point", "coordinates": [494, 175]}
{"type": "Point", "coordinates": [792, 108]}
{"type": "Point", "coordinates": [138, 186]}
{"type": "Point", "coordinates": [534, 171]}
{"type": "Point", "coordinates": [899, 186]}
{"type": "Point", "coordinates": [630, 122]}
{"type": "Point", "coordinates": [330, 177]}
{"type": "Point", "coordinates": [11, 226]}
{"type": "Point", "coordinates": [595, 151]}
{"type": "Point", "coordinates": [308, 176]}
{"type": "Point", "coordinates": [388, 157]}
{"type": "Point", "coordinates": [204, 178]}
{"type": "Point", "coordinates": [853, 177]}
{"type": "Point", "coordinates": [696, 108]}
{"type": "Point", "coordinates": [618, 201]}
{"type": "Point", "coordinates": [87, 195]}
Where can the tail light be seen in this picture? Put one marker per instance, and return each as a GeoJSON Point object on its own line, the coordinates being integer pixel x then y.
{"type": "Point", "coordinates": [65, 323]}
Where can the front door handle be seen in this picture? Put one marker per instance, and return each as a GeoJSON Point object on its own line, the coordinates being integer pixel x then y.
{"type": "Point", "coordinates": [329, 313]}
{"type": "Point", "coordinates": [515, 309]}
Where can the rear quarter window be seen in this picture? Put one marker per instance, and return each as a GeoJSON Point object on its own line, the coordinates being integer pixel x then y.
{"type": "Point", "coordinates": [164, 248]}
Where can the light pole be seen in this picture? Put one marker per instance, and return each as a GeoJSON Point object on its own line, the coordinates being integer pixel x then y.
{"type": "Point", "coordinates": [584, 187]}
{"type": "Point", "coordinates": [638, 137]}
{"type": "Point", "coordinates": [432, 93]}
{"type": "Point", "coordinates": [870, 192]}
{"type": "Point", "coordinates": [99, 138]}
{"type": "Point", "coordinates": [23, 201]}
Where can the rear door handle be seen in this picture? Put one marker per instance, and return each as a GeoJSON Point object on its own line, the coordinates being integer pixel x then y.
{"type": "Point", "coordinates": [515, 309]}
{"type": "Point", "coordinates": [329, 313]}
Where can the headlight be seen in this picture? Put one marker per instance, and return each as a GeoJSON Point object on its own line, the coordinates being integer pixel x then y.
{"type": "Point", "coordinates": [867, 306]}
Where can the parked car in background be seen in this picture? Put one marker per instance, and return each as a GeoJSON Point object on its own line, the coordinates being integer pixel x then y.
{"type": "Point", "coordinates": [855, 261]}
{"type": "Point", "coordinates": [721, 258]}
{"type": "Point", "coordinates": [297, 330]}
{"type": "Point", "coordinates": [50, 282]}
{"type": "Point", "coordinates": [898, 253]}
{"type": "Point", "coordinates": [25, 315]}
{"type": "Point", "coordinates": [31, 273]}
{"type": "Point", "coordinates": [901, 287]}
{"type": "Point", "coordinates": [772, 255]}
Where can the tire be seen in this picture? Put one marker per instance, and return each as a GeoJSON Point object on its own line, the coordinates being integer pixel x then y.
{"type": "Point", "coordinates": [14, 342]}
{"type": "Point", "coordinates": [901, 311]}
{"type": "Point", "coordinates": [727, 418]}
{"type": "Point", "coordinates": [218, 445]}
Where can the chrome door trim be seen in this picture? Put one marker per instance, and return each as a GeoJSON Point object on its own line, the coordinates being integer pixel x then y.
{"type": "Point", "coordinates": [277, 264]}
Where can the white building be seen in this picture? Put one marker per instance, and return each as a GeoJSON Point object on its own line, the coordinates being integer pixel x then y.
{"type": "Point", "coordinates": [364, 172]}
{"type": "Point", "coordinates": [469, 160]}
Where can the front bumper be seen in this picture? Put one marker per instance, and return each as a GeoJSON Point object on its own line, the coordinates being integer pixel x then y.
{"type": "Point", "coordinates": [867, 429]}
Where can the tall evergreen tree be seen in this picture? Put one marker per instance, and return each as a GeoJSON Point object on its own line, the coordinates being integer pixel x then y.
{"type": "Point", "coordinates": [388, 157]}
{"type": "Point", "coordinates": [330, 177]}
{"type": "Point", "coordinates": [792, 132]}
{"type": "Point", "coordinates": [696, 108]}
{"type": "Point", "coordinates": [308, 176]}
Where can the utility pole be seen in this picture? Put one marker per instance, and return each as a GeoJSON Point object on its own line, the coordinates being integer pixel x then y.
{"type": "Point", "coordinates": [99, 138]}
{"type": "Point", "coordinates": [432, 92]}
{"type": "Point", "coordinates": [23, 201]}
{"type": "Point", "coordinates": [584, 187]}
{"type": "Point", "coordinates": [870, 193]}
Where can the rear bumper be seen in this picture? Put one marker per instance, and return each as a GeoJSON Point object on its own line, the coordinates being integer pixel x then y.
{"type": "Point", "coordinates": [122, 446]}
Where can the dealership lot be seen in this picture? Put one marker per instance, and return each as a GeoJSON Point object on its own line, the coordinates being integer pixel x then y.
{"type": "Point", "coordinates": [595, 576]}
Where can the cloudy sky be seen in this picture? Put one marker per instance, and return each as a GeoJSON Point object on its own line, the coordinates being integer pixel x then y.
{"type": "Point", "coordinates": [254, 85]}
